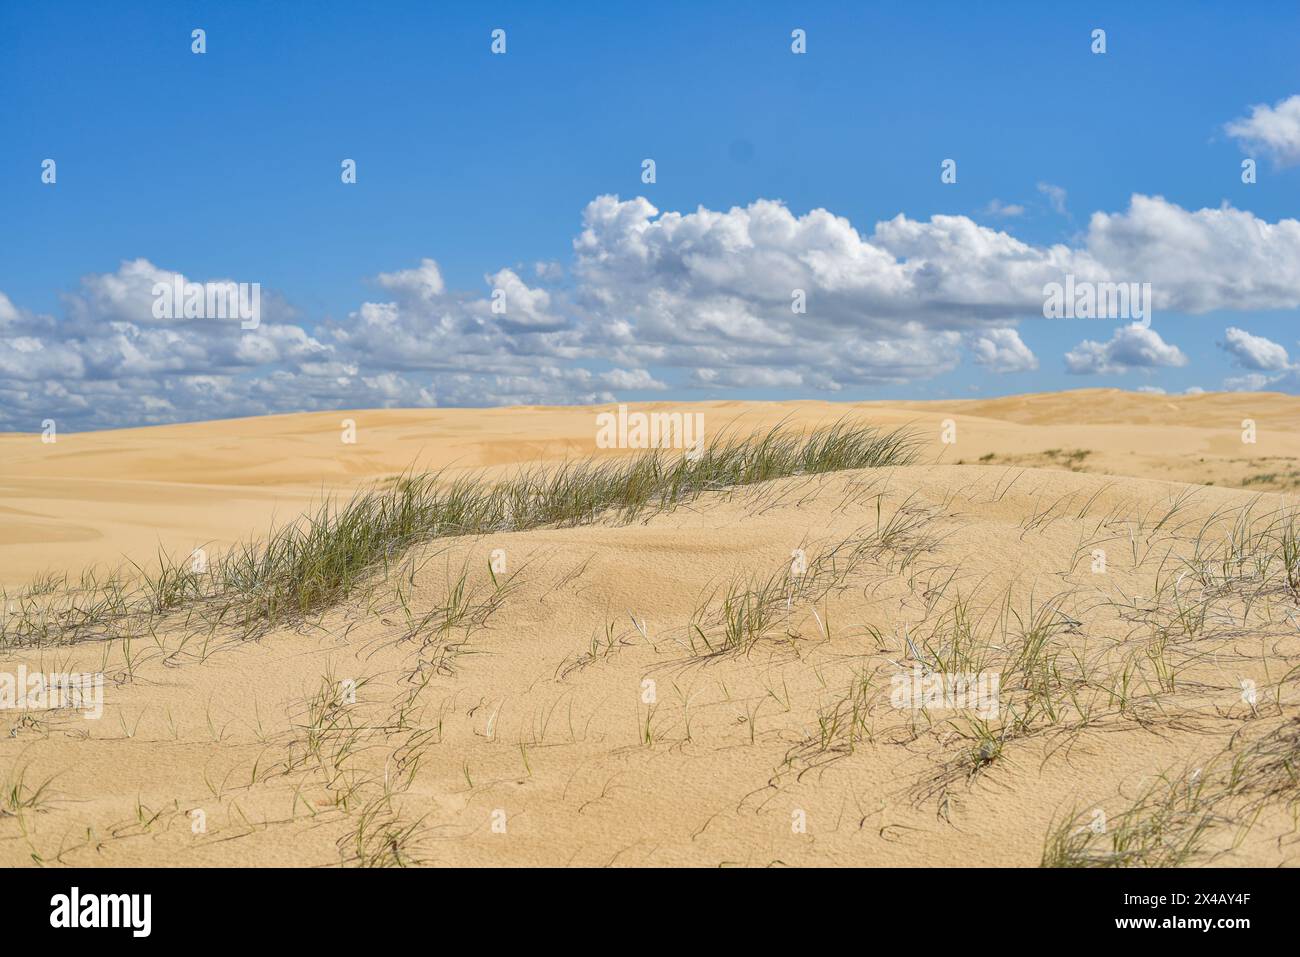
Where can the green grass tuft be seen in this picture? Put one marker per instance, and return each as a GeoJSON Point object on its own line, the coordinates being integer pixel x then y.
{"type": "Point", "coordinates": [312, 563]}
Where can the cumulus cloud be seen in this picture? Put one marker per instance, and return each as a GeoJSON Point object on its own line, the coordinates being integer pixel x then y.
{"type": "Point", "coordinates": [732, 274]}
{"type": "Point", "coordinates": [1131, 347]}
{"type": "Point", "coordinates": [807, 299]}
{"type": "Point", "coordinates": [1002, 350]}
{"type": "Point", "coordinates": [750, 297]}
{"type": "Point", "coordinates": [8, 312]}
{"type": "Point", "coordinates": [421, 284]}
{"type": "Point", "coordinates": [1254, 352]}
{"type": "Point", "coordinates": [631, 379]}
{"type": "Point", "coordinates": [1268, 365]}
{"type": "Point", "coordinates": [713, 290]}
{"type": "Point", "coordinates": [517, 305]}
{"type": "Point", "coordinates": [1203, 260]}
{"type": "Point", "coordinates": [749, 378]}
{"type": "Point", "coordinates": [1272, 130]}
{"type": "Point", "coordinates": [108, 360]}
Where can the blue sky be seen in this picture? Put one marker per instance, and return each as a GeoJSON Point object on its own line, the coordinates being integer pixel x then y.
{"type": "Point", "coordinates": [226, 165]}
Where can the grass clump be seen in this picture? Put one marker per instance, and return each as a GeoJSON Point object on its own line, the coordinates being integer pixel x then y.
{"type": "Point", "coordinates": [311, 563]}
{"type": "Point", "coordinates": [1167, 826]}
{"type": "Point", "coordinates": [1192, 817]}
{"type": "Point", "coordinates": [18, 795]}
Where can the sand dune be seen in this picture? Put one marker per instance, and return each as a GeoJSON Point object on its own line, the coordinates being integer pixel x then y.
{"type": "Point", "coordinates": [580, 704]}
{"type": "Point", "coordinates": [99, 497]}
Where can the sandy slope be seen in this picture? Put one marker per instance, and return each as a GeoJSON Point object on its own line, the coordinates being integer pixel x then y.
{"type": "Point", "coordinates": [527, 733]}
{"type": "Point", "coordinates": [99, 497]}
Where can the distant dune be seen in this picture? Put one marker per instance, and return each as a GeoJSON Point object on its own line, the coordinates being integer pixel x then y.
{"type": "Point", "coordinates": [100, 497]}
{"type": "Point", "coordinates": [781, 673]}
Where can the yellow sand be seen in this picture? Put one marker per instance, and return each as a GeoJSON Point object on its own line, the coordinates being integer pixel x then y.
{"type": "Point", "coordinates": [570, 720]}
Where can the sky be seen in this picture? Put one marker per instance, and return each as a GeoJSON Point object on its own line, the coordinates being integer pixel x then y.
{"type": "Point", "coordinates": [501, 243]}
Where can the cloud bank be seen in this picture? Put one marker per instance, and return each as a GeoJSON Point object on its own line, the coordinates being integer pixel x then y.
{"type": "Point", "coordinates": [753, 297]}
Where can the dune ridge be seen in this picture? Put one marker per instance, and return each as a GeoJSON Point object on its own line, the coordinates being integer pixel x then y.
{"type": "Point", "coordinates": [96, 498]}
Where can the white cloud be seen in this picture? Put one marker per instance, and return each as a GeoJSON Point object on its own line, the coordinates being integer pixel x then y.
{"type": "Point", "coordinates": [1287, 381]}
{"type": "Point", "coordinates": [1254, 352]}
{"type": "Point", "coordinates": [1272, 130]}
{"type": "Point", "coordinates": [1002, 350]}
{"type": "Point", "coordinates": [1250, 382]}
{"type": "Point", "coordinates": [422, 284]}
{"type": "Point", "coordinates": [998, 208]}
{"type": "Point", "coordinates": [1199, 261]}
{"type": "Point", "coordinates": [109, 361]}
{"type": "Point", "coordinates": [8, 313]}
{"type": "Point", "coordinates": [749, 378]}
{"type": "Point", "coordinates": [706, 298]}
{"type": "Point", "coordinates": [519, 305]}
{"type": "Point", "coordinates": [1131, 347]}
{"type": "Point", "coordinates": [1268, 364]}
{"type": "Point", "coordinates": [714, 290]}
{"type": "Point", "coordinates": [632, 379]}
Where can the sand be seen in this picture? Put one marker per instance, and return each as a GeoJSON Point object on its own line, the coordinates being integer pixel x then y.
{"type": "Point", "coordinates": [576, 717]}
{"type": "Point", "coordinates": [99, 498]}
